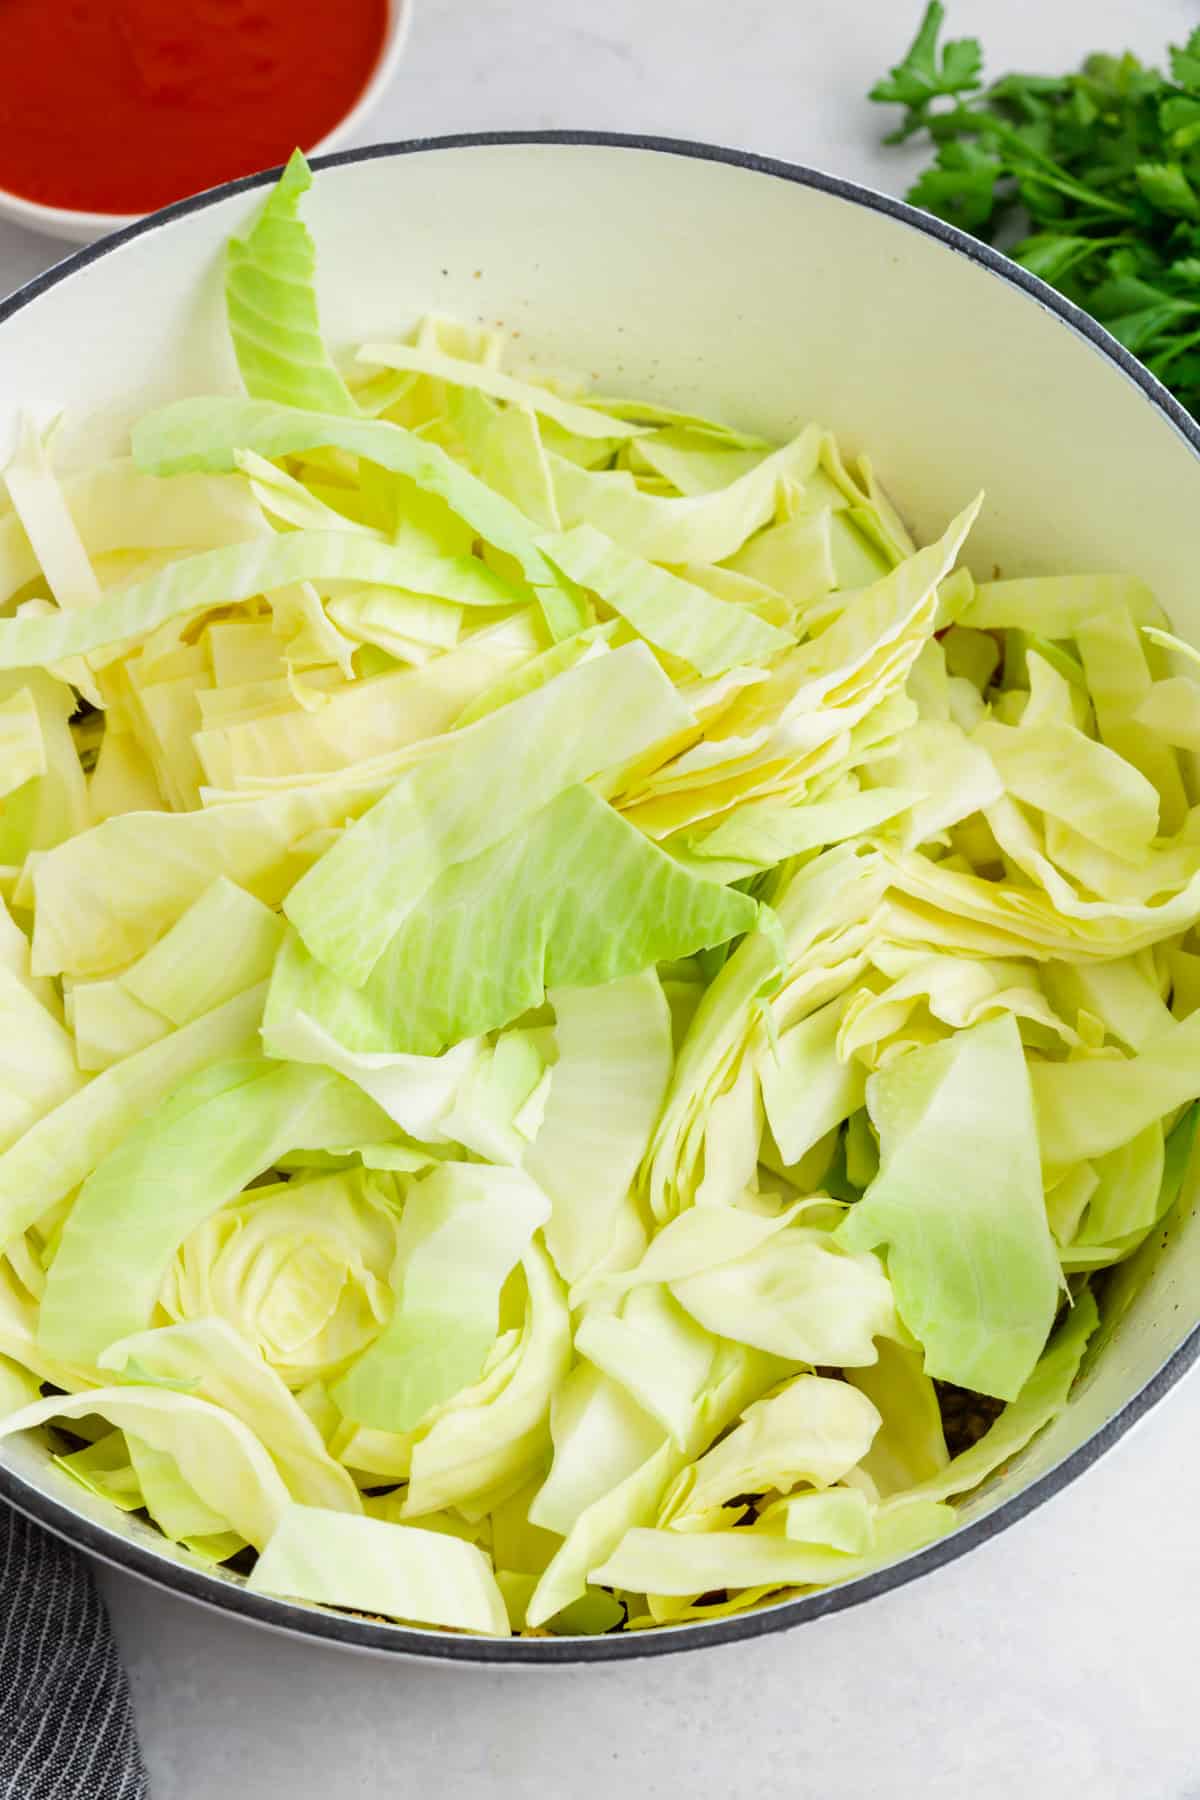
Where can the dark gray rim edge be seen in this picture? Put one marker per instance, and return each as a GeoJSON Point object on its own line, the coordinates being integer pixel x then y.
{"type": "Point", "coordinates": [343, 1629]}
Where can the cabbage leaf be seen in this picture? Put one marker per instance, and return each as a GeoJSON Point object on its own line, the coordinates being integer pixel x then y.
{"type": "Point", "coordinates": [375, 1566]}
{"type": "Point", "coordinates": [958, 1201]}
{"type": "Point", "coordinates": [490, 778]}
{"type": "Point", "coordinates": [218, 1131]}
{"type": "Point", "coordinates": [463, 1230]}
{"type": "Point", "coordinates": [493, 933]}
{"type": "Point", "coordinates": [614, 1062]}
{"type": "Point", "coordinates": [270, 297]}
{"type": "Point", "coordinates": [672, 614]}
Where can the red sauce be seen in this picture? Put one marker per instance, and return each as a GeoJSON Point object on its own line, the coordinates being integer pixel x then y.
{"type": "Point", "coordinates": [123, 105]}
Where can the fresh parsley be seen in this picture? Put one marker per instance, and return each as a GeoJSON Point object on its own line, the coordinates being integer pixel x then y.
{"type": "Point", "coordinates": [1090, 179]}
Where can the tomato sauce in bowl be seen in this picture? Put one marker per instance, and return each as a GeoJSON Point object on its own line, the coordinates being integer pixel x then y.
{"type": "Point", "coordinates": [121, 106]}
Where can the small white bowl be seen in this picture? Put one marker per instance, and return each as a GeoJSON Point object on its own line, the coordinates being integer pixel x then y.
{"type": "Point", "coordinates": [82, 227]}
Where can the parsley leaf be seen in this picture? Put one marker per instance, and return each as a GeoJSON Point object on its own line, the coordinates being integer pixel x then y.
{"type": "Point", "coordinates": [921, 78]}
{"type": "Point", "coordinates": [1090, 179]}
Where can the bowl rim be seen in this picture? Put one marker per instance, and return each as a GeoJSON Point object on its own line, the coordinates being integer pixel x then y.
{"type": "Point", "coordinates": [349, 1631]}
{"type": "Point", "coordinates": [79, 224]}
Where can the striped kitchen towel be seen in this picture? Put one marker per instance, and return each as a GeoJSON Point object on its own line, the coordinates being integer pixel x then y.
{"type": "Point", "coordinates": [66, 1719]}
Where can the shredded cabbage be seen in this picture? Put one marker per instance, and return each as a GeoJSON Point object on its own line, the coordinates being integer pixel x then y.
{"type": "Point", "coordinates": [561, 978]}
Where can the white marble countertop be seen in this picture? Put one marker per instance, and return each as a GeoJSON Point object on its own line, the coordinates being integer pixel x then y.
{"type": "Point", "coordinates": [1056, 1659]}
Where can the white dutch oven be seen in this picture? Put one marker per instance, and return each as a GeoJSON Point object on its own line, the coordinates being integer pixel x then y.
{"type": "Point", "coordinates": [767, 295]}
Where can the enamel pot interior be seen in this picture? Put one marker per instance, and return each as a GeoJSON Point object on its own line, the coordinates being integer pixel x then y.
{"type": "Point", "coordinates": [760, 293]}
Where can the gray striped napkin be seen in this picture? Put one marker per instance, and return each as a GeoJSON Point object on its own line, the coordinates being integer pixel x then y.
{"type": "Point", "coordinates": [66, 1719]}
